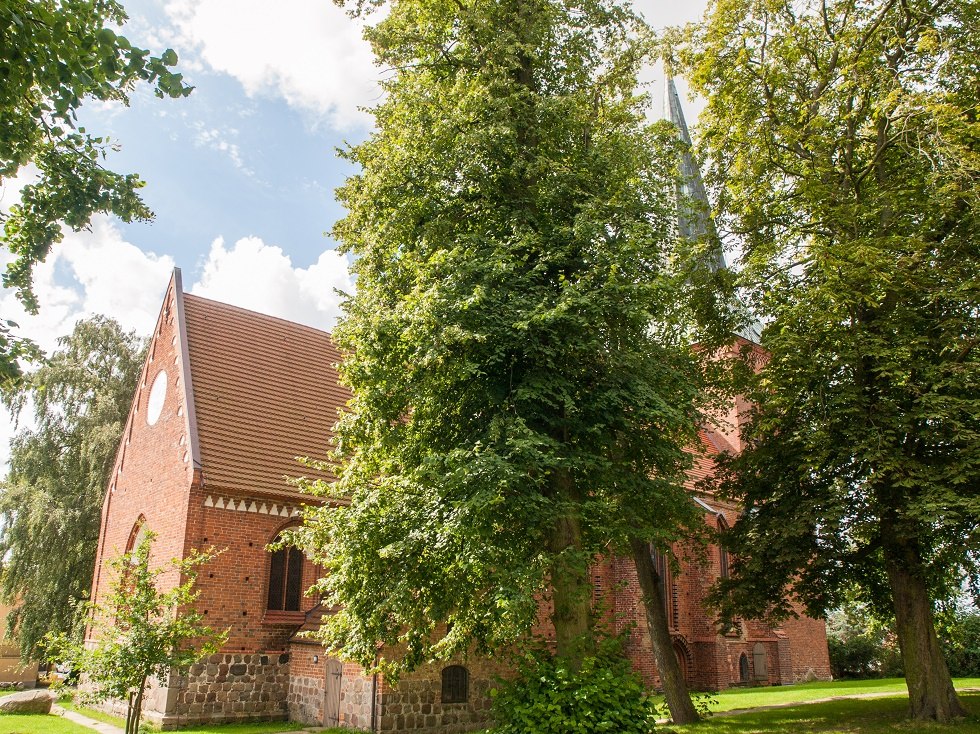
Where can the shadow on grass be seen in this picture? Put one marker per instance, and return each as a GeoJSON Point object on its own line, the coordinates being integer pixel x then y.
{"type": "Point", "coordinates": [854, 716]}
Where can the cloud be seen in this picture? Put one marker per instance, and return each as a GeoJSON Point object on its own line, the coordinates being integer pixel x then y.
{"type": "Point", "coordinates": [308, 52]}
{"type": "Point", "coordinates": [261, 277]}
{"type": "Point", "coordinates": [95, 271]}
{"type": "Point", "coordinates": [217, 140]}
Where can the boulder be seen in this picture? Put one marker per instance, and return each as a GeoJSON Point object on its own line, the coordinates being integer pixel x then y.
{"type": "Point", "coordinates": [27, 702]}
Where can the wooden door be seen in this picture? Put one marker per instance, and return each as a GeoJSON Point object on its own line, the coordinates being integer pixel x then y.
{"type": "Point", "coordinates": [331, 701]}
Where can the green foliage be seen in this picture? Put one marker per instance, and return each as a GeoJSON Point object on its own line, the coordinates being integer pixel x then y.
{"type": "Point", "coordinates": [51, 499]}
{"type": "Point", "coordinates": [54, 54]}
{"type": "Point", "coordinates": [959, 635]}
{"type": "Point", "coordinates": [140, 631]}
{"type": "Point", "coordinates": [844, 146]}
{"type": "Point", "coordinates": [523, 382]}
{"type": "Point", "coordinates": [861, 645]}
{"type": "Point", "coordinates": [603, 696]}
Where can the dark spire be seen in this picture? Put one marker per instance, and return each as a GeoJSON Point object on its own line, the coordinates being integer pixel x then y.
{"type": "Point", "coordinates": [693, 210]}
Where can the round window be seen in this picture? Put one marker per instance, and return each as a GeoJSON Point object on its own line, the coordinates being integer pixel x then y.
{"type": "Point", "coordinates": [158, 393]}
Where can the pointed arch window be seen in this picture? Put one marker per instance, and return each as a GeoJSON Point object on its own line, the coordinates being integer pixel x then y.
{"type": "Point", "coordinates": [661, 564]}
{"type": "Point", "coordinates": [724, 563]}
{"type": "Point", "coordinates": [285, 579]}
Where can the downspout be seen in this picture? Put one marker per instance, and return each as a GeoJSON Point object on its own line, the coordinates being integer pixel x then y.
{"type": "Point", "coordinates": [374, 699]}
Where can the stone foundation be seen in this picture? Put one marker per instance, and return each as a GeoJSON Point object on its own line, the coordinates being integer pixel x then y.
{"type": "Point", "coordinates": [305, 699]}
{"type": "Point", "coordinates": [414, 706]}
{"type": "Point", "coordinates": [226, 688]}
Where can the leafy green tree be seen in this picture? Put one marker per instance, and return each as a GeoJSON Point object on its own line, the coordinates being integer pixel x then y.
{"type": "Point", "coordinates": [51, 499]}
{"type": "Point", "coordinates": [523, 382]}
{"type": "Point", "coordinates": [139, 632]}
{"type": "Point", "coordinates": [843, 143]}
{"type": "Point", "coordinates": [54, 54]}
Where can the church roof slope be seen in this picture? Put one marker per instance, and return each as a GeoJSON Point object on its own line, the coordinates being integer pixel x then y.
{"type": "Point", "coordinates": [265, 392]}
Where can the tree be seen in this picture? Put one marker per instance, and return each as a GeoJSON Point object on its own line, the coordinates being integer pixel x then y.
{"type": "Point", "coordinates": [140, 632]}
{"type": "Point", "coordinates": [523, 382]}
{"type": "Point", "coordinates": [842, 144]}
{"type": "Point", "coordinates": [54, 54]}
{"type": "Point", "coordinates": [51, 499]}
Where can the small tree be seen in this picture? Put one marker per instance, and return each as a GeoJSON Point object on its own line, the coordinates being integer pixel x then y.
{"type": "Point", "coordinates": [141, 632]}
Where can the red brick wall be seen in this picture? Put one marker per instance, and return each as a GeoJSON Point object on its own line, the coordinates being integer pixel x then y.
{"type": "Point", "coordinates": [234, 587]}
{"type": "Point", "coordinates": [153, 469]}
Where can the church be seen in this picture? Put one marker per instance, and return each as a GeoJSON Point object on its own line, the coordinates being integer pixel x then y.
{"type": "Point", "coordinates": [228, 398]}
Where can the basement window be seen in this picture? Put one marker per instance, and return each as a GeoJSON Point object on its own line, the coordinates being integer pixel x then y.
{"type": "Point", "coordinates": [455, 684]}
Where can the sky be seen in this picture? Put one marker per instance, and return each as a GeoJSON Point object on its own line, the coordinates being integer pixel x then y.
{"type": "Point", "coordinates": [240, 174]}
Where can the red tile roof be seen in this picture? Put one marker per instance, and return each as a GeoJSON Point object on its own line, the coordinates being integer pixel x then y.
{"type": "Point", "coordinates": [265, 391]}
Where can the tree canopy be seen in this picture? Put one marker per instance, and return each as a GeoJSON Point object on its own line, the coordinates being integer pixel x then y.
{"type": "Point", "coordinates": [843, 143]}
{"type": "Point", "coordinates": [51, 499]}
{"type": "Point", "coordinates": [55, 54]}
{"type": "Point", "coordinates": [523, 381]}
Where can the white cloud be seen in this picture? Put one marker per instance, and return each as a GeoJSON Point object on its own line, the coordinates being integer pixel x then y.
{"type": "Point", "coordinates": [218, 140]}
{"type": "Point", "coordinates": [91, 272]}
{"type": "Point", "coordinates": [309, 52]}
{"type": "Point", "coordinates": [261, 277]}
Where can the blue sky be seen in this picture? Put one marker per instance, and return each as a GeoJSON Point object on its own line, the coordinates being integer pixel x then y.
{"type": "Point", "coordinates": [240, 174]}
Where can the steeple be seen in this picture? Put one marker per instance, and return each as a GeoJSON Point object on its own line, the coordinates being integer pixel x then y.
{"type": "Point", "coordinates": [693, 209]}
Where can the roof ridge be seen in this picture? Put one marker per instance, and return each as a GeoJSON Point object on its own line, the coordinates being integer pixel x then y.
{"type": "Point", "coordinates": [253, 312]}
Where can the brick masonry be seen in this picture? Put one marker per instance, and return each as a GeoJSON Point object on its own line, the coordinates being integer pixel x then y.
{"type": "Point", "coordinates": [265, 672]}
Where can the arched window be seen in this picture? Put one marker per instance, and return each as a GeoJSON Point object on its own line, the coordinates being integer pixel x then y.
{"type": "Point", "coordinates": [455, 684]}
{"type": "Point", "coordinates": [661, 565]}
{"type": "Point", "coordinates": [137, 534]}
{"type": "Point", "coordinates": [285, 579]}
{"type": "Point", "coordinates": [724, 570]}
{"type": "Point", "coordinates": [743, 668]}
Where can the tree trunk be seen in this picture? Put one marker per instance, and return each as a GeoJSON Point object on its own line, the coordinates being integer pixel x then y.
{"type": "Point", "coordinates": [679, 702]}
{"type": "Point", "coordinates": [571, 614]}
{"type": "Point", "coordinates": [931, 693]}
{"type": "Point", "coordinates": [135, 711]}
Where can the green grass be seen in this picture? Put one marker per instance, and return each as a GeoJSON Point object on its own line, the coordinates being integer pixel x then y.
{"type": "Point", "coordinates": [39, 724]}
{"type": "Point", "coordinates": [66, 702]}
{"type": "Point", "coordinates": [747, 698]}
{"type": "Point", "coordinates": [853, 716]}
{"type": "Point", "coordinates": [262, 727]}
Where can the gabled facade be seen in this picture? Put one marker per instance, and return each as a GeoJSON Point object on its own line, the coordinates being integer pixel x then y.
{"type": "Point", "coordinates": [227, 400]}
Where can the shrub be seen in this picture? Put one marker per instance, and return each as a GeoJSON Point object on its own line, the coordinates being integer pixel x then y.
{"type": "Point", "coordinates": [604, 696]}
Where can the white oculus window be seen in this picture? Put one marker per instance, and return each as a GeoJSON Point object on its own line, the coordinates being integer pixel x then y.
{"type": "Point", "coordinates": [158, 393]}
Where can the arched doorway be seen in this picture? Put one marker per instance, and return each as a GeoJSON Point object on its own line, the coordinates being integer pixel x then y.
{"type": "Point", "coordinates": [683, 660]}
{"type": "Point", "coordinates": [743, 668]}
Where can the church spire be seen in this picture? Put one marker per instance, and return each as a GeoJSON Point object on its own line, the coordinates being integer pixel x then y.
{"type": "Point", "coordinates": [693, 210]}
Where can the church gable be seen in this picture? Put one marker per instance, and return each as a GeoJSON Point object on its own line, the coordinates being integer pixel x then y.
{"type": "Point", "coordinates": [155, 463]}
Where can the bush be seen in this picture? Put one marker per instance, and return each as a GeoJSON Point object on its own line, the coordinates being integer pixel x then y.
{"type": "Point", "coordinates": [960, 640]}
{"type": "Point", "coordinates": [546, 697]}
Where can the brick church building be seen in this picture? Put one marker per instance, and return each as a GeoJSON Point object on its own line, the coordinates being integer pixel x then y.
{"type": "Point", "coordinates": [205, 458]}
{"type": "Point", "coordinates": [227, 400]}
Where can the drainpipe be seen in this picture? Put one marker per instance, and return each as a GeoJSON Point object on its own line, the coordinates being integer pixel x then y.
{"type": "Point", "coordinates": [374, 699]}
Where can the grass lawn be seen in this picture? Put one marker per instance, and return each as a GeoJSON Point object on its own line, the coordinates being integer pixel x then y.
{"type": "Point", "coordinates": [854, 716]}
{"type": "Point", "coordinates": [39, 724]}
{"type": "Point", "coordinates": [746, 698]}
{"type": "Point", "coordinates": [259, 727]}
{"type": "Point", "coordinates": [267, 727]}
{"type": "Point", "coordinates": [67, 703]}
